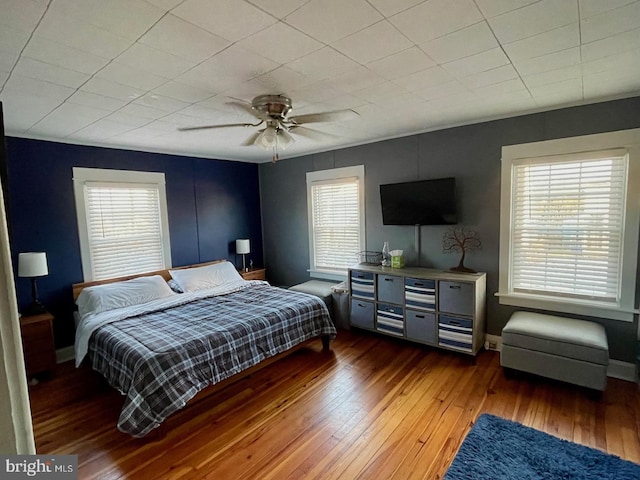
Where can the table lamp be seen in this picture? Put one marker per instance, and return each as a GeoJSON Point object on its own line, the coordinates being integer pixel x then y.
{"type": "Point", "coordinates": [243, 248]}
{"type": "Point", "coordinates": [32, 265]}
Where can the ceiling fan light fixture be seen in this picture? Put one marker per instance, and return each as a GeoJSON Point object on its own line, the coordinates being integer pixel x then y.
{"type": "Point", "coordinates": [285, 140]}
{"type": "Point", "coordinates": [267, 139]}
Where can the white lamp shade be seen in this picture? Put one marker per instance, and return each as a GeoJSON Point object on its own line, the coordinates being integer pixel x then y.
{"type": "Point", "coordinates": [32, 264]}
{"type": "Point", "coordinates": [267, 139]}
{"type": "Point", "coordinates": [243, 246]}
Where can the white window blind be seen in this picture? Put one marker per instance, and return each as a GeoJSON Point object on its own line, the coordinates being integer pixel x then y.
{"type": "Point", "coordinates": [124, 227]}
{"type": "Point", "coordinates": [123, 223]}
{"type": "Point", "coordinates": [567, 227]}
{"type": "Point", "coordinates": [336, 223]}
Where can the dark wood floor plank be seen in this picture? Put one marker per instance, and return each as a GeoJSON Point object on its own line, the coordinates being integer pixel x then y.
{"type": "Point", "coordinates": [374, 407]}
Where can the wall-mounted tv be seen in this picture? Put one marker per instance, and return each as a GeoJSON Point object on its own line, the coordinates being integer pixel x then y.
{"type": "Point", "coordinates": [423, 202]}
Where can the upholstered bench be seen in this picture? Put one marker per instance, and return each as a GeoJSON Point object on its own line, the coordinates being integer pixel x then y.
{"type": "Point", "coordinates": [574, 351]}
{"type": "Point", "coordinates": [319, 289]}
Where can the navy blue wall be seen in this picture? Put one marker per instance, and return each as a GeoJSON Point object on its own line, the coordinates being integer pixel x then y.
{"type": "Point", "coordinates": [211, 203]}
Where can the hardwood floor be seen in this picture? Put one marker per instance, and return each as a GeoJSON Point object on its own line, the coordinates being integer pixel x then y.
{"type": "Point", "coordinates": [374, 407]}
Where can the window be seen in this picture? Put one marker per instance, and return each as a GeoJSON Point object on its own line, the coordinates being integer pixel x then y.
{"type": "Point", "coordinates": [335, 200]}
{"type": "Point", "coordinates": [569, 225]}
{"type": "Point", "coordinates": [122, 222]}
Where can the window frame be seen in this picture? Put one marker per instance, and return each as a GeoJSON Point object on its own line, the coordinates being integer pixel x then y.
{"type": "Point", "coordinates": [338, 175]}
{"type": "Point", "coordinates": [82, 175]}
{"type": "Point", "coordinates": [562, 149]}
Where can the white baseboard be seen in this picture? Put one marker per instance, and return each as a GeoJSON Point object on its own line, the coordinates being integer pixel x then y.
{"type": "Point", "coordinates": [617, 369]}
{"type": "Point", "coordinates": [65, 354]}
{"type": "Point", "coordinates": [622, 370]}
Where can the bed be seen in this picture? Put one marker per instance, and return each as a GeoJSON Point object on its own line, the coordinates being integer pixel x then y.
{"type": "Point", "coordinates": [162, 337]}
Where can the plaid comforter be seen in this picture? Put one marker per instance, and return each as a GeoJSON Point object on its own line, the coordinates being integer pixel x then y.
{"type": "Point", "coordinates": [161, 359]}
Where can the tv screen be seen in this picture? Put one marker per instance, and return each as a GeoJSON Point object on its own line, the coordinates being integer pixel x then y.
{"type": "Point", "coordinates": [424, 202]}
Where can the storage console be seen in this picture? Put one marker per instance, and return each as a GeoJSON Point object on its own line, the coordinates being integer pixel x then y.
{"type": "Point", "coordinates": [433, 307]}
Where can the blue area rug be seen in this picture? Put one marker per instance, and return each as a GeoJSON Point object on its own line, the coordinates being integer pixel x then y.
{"type": "Point", "coordinates": [497, 449]}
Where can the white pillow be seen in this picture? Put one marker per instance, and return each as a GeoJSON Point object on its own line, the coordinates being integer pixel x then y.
{"type": "Point", "coordinates": [102, 298]}
{"type": "Point", "coordinates": [199, 278]}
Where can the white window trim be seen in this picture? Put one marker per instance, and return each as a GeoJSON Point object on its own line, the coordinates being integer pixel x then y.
{"type": "Point", "coordinates": [334, 174]}
{"type": "Point", "coordinates": [629, 140]}
{"type": "Point", "coordinates": [82, 175]}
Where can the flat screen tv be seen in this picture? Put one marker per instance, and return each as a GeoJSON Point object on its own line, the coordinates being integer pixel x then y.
{"type": "Point", "coordinates": [423, 202]}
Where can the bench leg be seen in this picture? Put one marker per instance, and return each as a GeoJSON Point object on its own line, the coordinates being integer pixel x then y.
{"type": "Point", "coordinates": [326, 343]}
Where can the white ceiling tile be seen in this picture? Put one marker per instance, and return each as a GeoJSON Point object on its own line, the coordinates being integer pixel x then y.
{"type": "Point", "coordinates": [100, 130]}
{"type": "Point", "coordinates": [183, 92]}
{"type": "Point", "coordinates": [7, 61]}
{"type": "Point", "coordinates": [165, 4]}
{"type": "Point", "coordinates": [620, 64]}
{"type": "Point", "coordinates": [544, 43]}
{"type": "Point", "coordinates": [203, 114]}
{"type": "Point", "coordinates": [117, 72]}
{"type": "Point", "coordinates": [49, 73]}
{"type": "Point", "coordinates": [607, 84]}
{"type": "Point", "coordinates": [125, 18]}
{"type": "Point", "coordinates": [142, 111]}
{"type": "Point", "coordinates": [316, 93]}
{"type": "Point", "coordinates": [183, 39]}
{"type": "Point", "coordinates": [611, 45]}
{"type": "Point", "coordinates": [552, 76]}
{"type": "Point", "coordinates": [278, 81]}
{"type": "Point", "coordinates": [13, 40]}
{"type": "Point", "coordinates": [323, 63]}
{"type": "Point", "coordinates": [75, 33]}
{"type": "Point", "coordinates": [468, 41]}
{"type": "Point", "coordinates": [94, 100]}
{"type": "Point", "coordinates": [436, 18]}
{"type": "Point", "coordinates": [3, 77]}
{"type": "Point", "coordinates": [449, 89]}
{"type": "Point", "coordinates": [610, 23]}
{"type": "Point", "coordinates": [154, 61]}
{"type": "Point", "coordinates": [534, 19]}
{"type": "Point", "coordinates": [381, 90]}
{"type": "Point", "coordinates": [230, 19]}
{"type": "Point", "coordinates": [21, 111]}
{"type": "Point", "coordinates": [503, 89]}
{"type": "Point", "coordinates": [331, 20]}
{"type": "Point", "coordinates": [279, 9]}
{"type": "Point", "coordinates": [233, 66]}
{"type": "Point", "coordinates": [391, 7]}
{"type": "Point", "coordinates": [66, 119]}
{"type": "Point", "coordinates": [480, 62]}
{"type": "Point", "coordinates": [353, 80]}
{"type": "Point", "coordinates": [46, 50]}
{"type": "Point", "coordinates": [492, 8]}
{"type": "Point", "coordinates": [402, 64]}
{"type": "Point", "coordinates": [490, 77]}
{"type": "Point", "coordinates": [280, 43]}
{"type": "Point", "coordinates": [588, 8]}
{"type": "Point", "coordinates": [131, 121]}
{"type": "Point", "coordinates": [21, 14]}
{"type": "Point", "coordinates": [563, 90]}
{"type": "Point", "coordinates": [18, 84]}
{"type": "Point", "coordinates": [424, 79]}
{"type": "Point", "coordinates": [373, 43]}
{"type": "Point", "coordinates": [107, 88]}
{"type": "Point", "coordinates": [160, 102]}
{"type": "Point", "coordinates": [552, 61]}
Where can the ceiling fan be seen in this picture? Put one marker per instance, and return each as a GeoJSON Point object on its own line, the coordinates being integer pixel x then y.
{"type": "Point", "coordinates": [273, 111]}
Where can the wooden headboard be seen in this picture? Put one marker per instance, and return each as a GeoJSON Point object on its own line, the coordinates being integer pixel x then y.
{"type": "Point", "coordinates": [78, 287]}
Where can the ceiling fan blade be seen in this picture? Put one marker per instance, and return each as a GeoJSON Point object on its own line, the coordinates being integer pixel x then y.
{"type": "Point", "coordinates": [252, 139]}
{"type": "Point", "coordinates": [334, 116]}
{"type": "Point", "coordinates": [311, 133]}
{"type": "Point", "coordinates": [226, 125]}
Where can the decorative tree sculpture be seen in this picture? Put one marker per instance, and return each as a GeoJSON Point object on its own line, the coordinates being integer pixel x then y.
{"type": "Point", "coordinates": [461, 239]}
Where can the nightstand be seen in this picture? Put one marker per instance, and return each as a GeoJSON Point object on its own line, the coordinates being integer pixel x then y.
{"type": "Point", "coordinates": [254, 274]}
{"type": "Point", "coordinates": [38, 343]}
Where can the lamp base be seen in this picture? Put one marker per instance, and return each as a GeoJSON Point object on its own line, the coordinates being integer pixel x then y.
{"type": "Point", "coordinates": [36, 308]}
